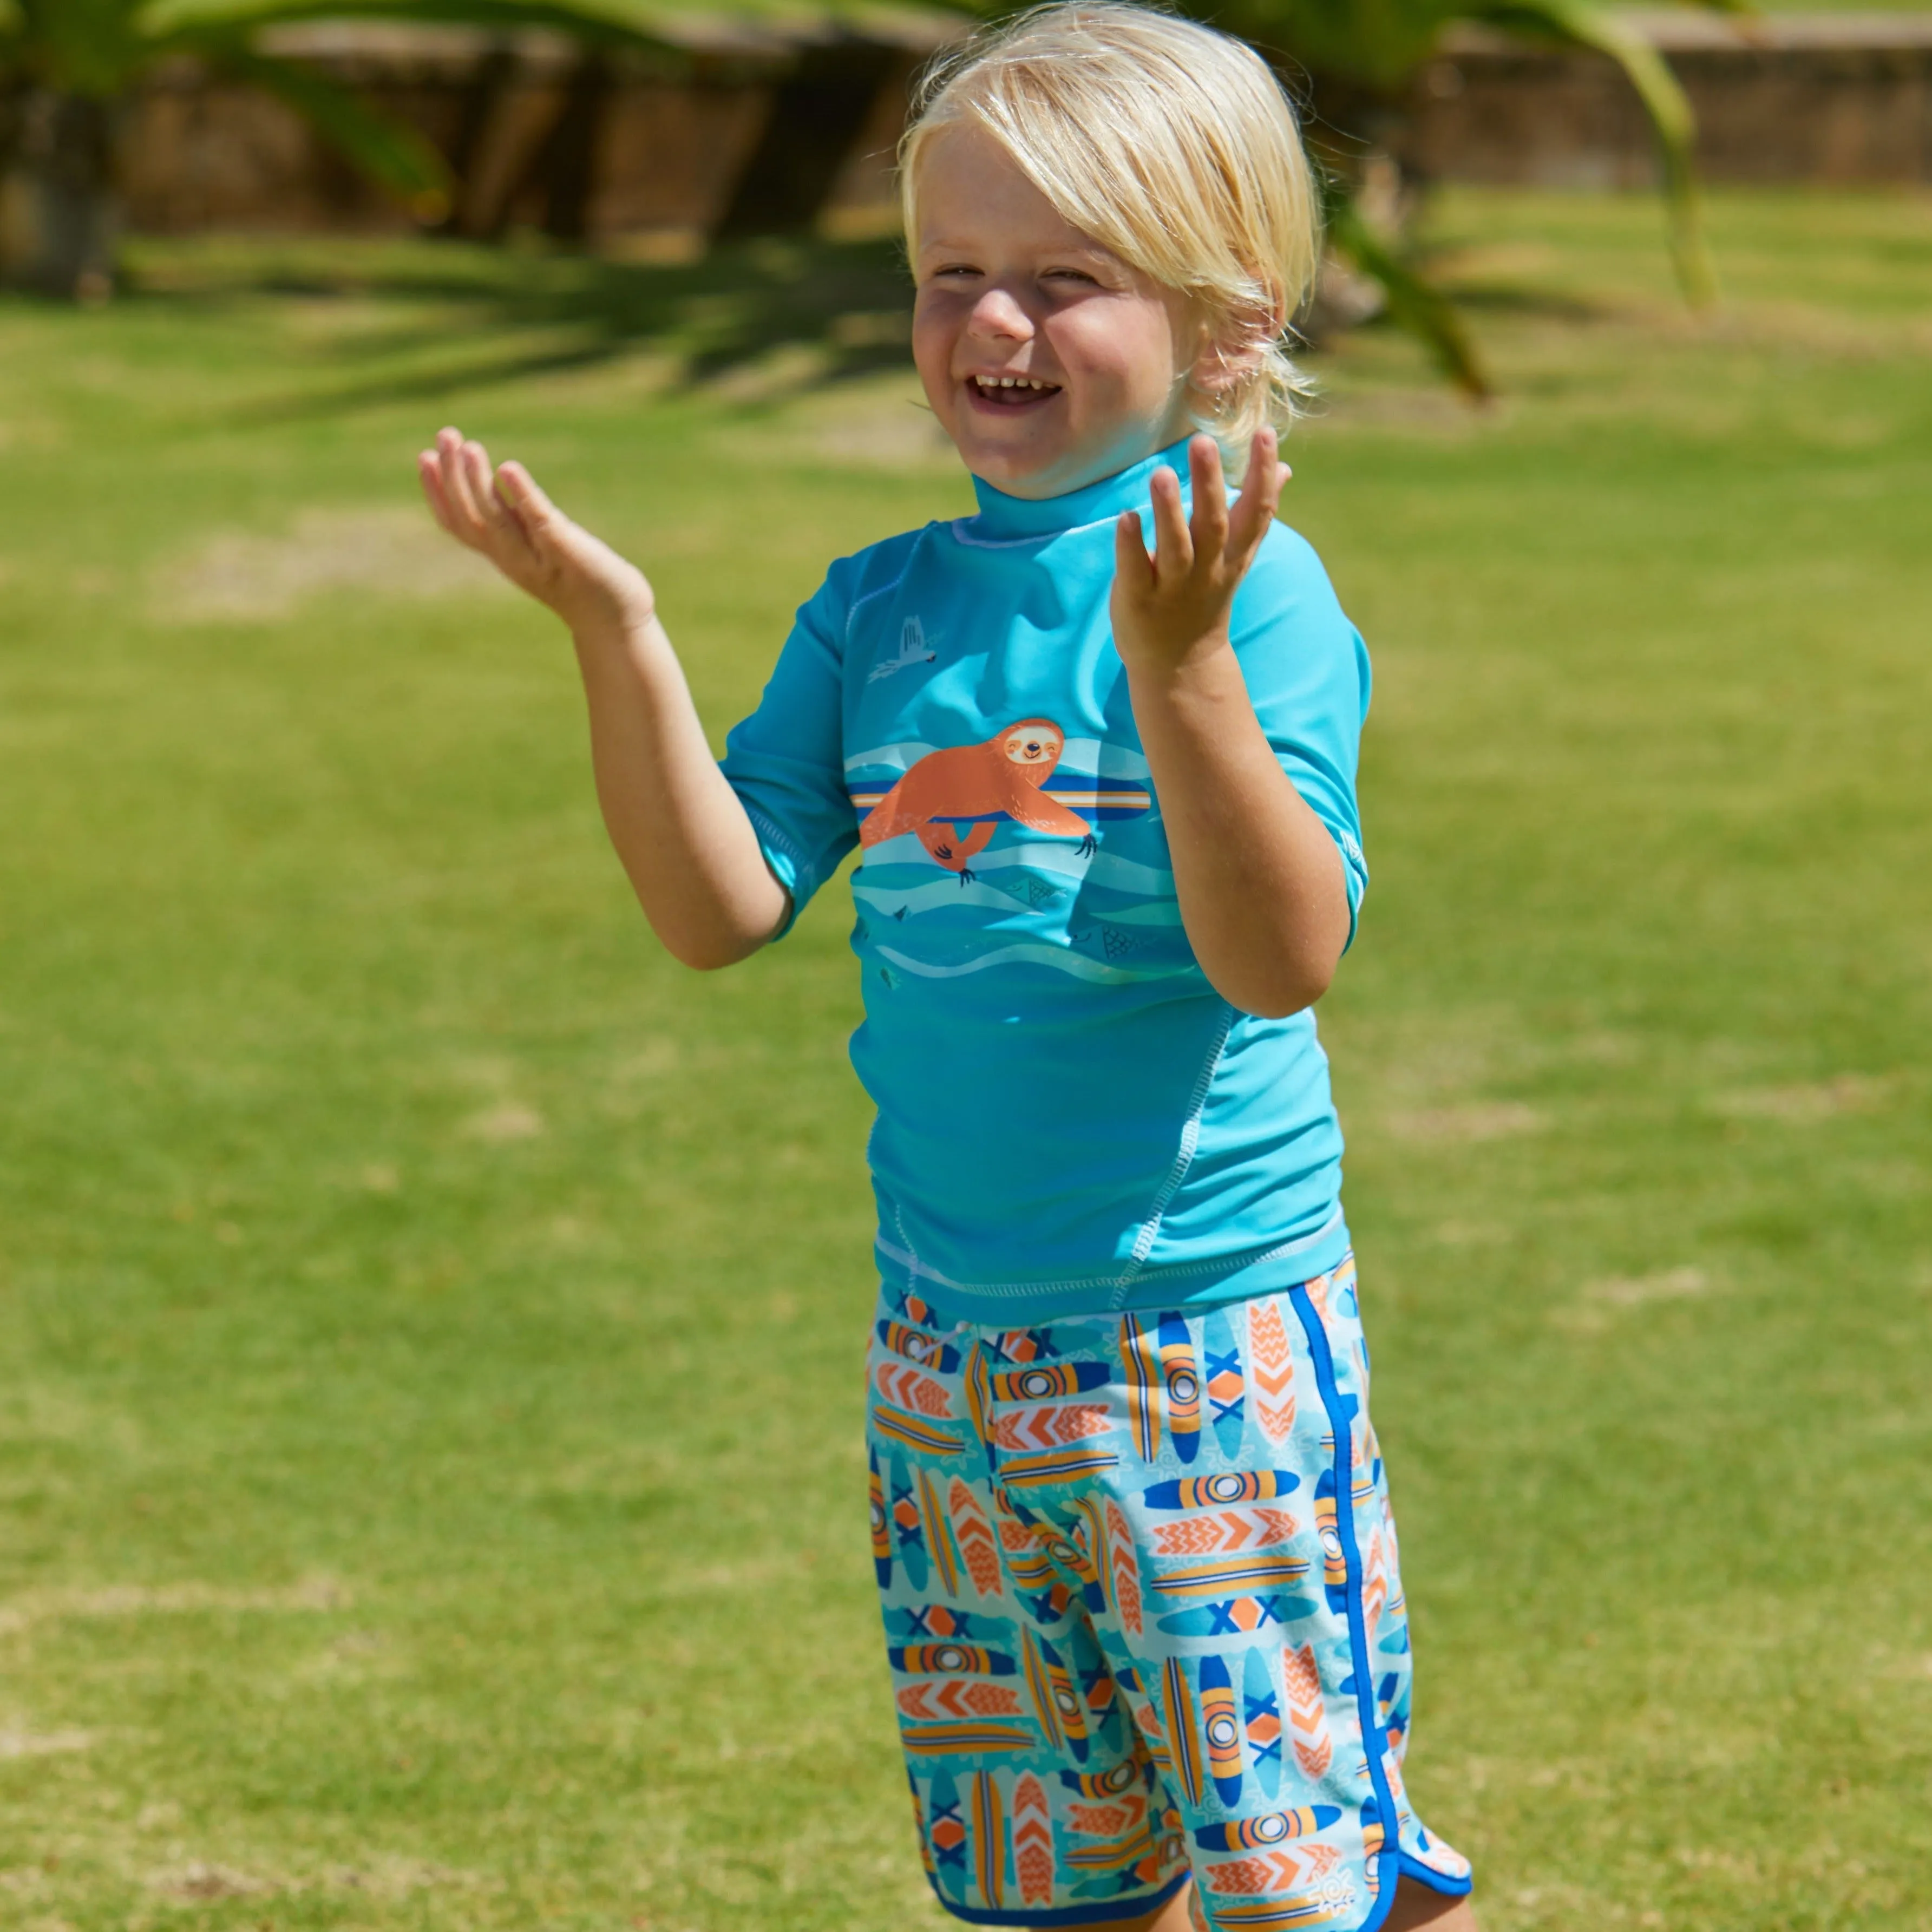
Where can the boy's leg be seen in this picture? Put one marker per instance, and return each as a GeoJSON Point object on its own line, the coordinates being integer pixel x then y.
{"type": "Point", "coordinates": [1416, 1906]}
{"type": "Point", "coordinates": [1172, 1917]}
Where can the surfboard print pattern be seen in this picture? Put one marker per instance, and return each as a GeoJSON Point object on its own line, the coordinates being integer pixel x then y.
{"type": "Point", "coordinates": [1136, 1637]}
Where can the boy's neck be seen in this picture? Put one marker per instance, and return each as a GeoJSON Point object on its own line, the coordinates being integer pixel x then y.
{"type": "Point", "coordinates": [1005, 514]}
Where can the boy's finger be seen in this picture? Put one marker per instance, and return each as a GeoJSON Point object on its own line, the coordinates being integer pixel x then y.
{"type": "Point", "coordinates": [430, 475]}
{"type": "Point", "coordinates": [1173, 545]}
{"type": "Point", "coordinates": [536, 514]}
{"type": "Point", "coordinates": [456, 487]}
{"type": "Point", "coordinates": [1132, 569]}
{"type": "Point", "coordinates": [1259, 498]}
{"type": "Point", "coordinates": [1209, 526]}
{"type": "Point", "coordinates": [476, 472]}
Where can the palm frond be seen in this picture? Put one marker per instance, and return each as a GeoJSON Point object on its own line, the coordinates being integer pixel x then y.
{"type": "Point", "coordinates": [602, 23]}
{"type": "Point", "coordinates": [1417, 305]}
{"type": "Point", "coordinates": [1586, 24]}
{"type": "Point", "coordinates": [392, 153]}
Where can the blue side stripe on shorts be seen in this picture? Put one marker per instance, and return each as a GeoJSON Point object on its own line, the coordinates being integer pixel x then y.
{"type": "Point", "coordinates": [1341, 1426]}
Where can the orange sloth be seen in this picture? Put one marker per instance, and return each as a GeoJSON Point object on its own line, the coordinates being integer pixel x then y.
{"type": "Point", "coordinates": [999, 779]}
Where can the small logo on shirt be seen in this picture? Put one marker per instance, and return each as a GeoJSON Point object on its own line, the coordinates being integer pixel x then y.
{"type": "Point", "coordinates": [912, 651]}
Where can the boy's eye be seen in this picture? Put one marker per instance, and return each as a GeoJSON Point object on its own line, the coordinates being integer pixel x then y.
{"type": "Point", "coordinates": [1072, 275]}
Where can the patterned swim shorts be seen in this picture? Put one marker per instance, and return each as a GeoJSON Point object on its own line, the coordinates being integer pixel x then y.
{"type": "Point", "coordinates": [1143, 1613]}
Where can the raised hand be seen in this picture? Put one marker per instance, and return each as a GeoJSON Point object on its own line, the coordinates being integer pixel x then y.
{"type": "Point", "coordinates": [1169, 607]}
{"type": "Point", "coordinates": [504, 515]}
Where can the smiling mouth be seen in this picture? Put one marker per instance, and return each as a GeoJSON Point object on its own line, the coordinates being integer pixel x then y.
{"type": "Point", "coordinates": [1009, 392]}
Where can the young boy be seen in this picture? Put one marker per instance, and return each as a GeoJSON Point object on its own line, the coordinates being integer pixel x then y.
{"type": "Point", "coordinates": [1142, 1603]}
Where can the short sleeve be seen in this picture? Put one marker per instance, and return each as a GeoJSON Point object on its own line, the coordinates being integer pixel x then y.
{"type": "Point", "coordinates": [1307, 673]}
{"type": "Point", "coordinates": [786, 761]}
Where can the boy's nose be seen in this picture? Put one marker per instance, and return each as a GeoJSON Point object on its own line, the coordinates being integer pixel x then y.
{"type": "Point", "coordinates": [998, 314]}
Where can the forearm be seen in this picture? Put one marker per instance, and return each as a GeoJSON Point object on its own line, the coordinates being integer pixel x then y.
{"type": "Point", "coordinates": [1263, 896]}
{"type": "Point", "coordinates": [680, 831]}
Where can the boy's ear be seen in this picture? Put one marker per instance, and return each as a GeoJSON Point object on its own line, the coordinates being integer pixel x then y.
{"type": "Point", "coordinates": [1233, 346]}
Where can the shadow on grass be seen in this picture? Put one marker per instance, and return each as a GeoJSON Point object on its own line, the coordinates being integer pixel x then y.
{"type": "Point", "coordinates": [466, 317]}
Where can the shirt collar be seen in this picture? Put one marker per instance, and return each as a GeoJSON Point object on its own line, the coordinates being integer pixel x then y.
{"type": "Point", "coordinates": [1004, 517]}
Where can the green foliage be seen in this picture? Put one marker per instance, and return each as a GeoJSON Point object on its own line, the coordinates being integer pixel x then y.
{"type": "Point", "coordinates": [100, 49]}
{"type": "Point", "coordinates": [430, 1491]}
{"type": "Point", "coordinates": [1374, 49]}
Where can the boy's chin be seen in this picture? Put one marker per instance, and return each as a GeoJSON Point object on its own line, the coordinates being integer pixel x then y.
{"type": "Point", "coordinates": [1021, 466]}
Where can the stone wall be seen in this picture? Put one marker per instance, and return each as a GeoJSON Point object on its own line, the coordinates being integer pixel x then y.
{"type": "Point", "coordinates": [1837, 98]}
{"type": "Point", "coordinates": [539, 137]}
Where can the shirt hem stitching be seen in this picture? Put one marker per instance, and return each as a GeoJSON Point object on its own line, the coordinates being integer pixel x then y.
{"type": "Point", "coordinates": [1175, 1271]}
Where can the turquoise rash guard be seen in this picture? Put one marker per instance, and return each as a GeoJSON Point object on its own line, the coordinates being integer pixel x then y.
{"type": "Point", "coordinates": [1070, 1118]}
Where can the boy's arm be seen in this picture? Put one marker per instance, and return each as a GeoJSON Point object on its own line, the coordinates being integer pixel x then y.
{"type": "Point", "coordinates": [692, 855]}
{"type": "Point", "coordinates": [1263, 896]}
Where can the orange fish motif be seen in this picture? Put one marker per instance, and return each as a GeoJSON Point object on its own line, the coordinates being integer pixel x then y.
{"type": "Point", "coordinates": [1271, 1365]}
{"type": "Point", "coordinates": [976, 785]}
{"type": "Point", "coordinates": [1224, 1530]}
{"type": "Point", "coordinates": [1015, 1537]}
{"type": "Point", "coordinates": [1318, 1289]}
{"type": "Point", "coordinates": [1307, 1711]}
{"type": "Point", "coordinates": [959, 1697]}
{"type": "Point", "coordinates": [1121, 1571]}
{"type": "Point", "coordinates": [1033, 1840]}
{"type": "Point", "coordinates": [1107, 1821]}
{"type": "Point", "coordinates": [1374, 1585]}
{"type": "Point", "coordinates": [1044, 1428]}
{"type": "Point", "coordinates": [1276, 1871]}
{"type": "Point", "coordinates": [914, 1389]}
{"type": "Point", "coordinates": [975, 1538]}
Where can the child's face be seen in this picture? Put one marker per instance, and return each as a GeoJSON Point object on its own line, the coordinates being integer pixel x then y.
{"type": "Point", "coordinates": [1007, 288]}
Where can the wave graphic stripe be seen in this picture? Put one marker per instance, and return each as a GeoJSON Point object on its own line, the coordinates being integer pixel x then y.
{"type": "Point", "coordinates": [1084, 795]}
{"type": "Point", "coordinates": [909, 753]}
{"type": "Point", "coordinates": [1077, 756]}
{"type": "Point", "coordinates": [1077, 964]}
{"type": "Point", "coordinates": [940, 894]}
{"type": "Point", "coordinates": [1041, 855]}
{"type": "Point", "coordinates": [1161, 912]}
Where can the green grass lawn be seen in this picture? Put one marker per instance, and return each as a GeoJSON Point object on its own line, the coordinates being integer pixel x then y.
{"type": "Point", "coordinates": [429, 1437]}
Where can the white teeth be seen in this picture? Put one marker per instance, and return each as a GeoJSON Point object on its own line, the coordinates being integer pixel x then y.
{"type": "Point", "coordinates": [1010, 383]}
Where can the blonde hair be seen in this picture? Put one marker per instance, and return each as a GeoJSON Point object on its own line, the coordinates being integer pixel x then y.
{"type": "Point", "coordinates": [1170, 144]}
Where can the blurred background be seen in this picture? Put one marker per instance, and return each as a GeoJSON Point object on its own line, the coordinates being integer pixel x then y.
{"type": "Point", "coordinates": [431, 1492]}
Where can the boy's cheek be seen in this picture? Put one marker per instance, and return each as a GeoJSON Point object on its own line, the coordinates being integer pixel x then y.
{"type": "Point", "coordinates": [932, 356]}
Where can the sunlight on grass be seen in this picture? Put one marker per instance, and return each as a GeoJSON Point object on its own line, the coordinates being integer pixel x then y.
{"type": "Point", "coordinates": [431, 1453]}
